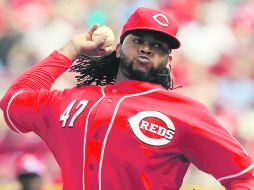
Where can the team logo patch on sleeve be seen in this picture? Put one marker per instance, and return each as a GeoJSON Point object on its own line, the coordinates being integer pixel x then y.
{"type": "Point", "coordinates": [152, 127]}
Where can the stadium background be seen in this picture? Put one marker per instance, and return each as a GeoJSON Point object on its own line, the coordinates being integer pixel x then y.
{"type": "Point", "coordinates": [215, 64]}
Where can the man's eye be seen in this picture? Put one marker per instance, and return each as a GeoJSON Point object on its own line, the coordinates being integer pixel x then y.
{"type": "Point", "coordinates": [137, 41]}
{"type": "Point", "coordinates": [156, 45]}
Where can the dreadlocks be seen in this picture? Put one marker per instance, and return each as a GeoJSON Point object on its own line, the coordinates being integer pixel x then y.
{"type": "Point", "coordinates": [100, 70]}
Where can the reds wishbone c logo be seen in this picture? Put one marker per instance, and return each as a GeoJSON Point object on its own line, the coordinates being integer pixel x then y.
{"type": "Point", "coordinates": [156, 17]}
{"type": "Point", "coordinates": [152, 127]}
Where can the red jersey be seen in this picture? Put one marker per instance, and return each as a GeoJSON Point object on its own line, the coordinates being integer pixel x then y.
{"type": "Point", "coordinates": [130, 135]}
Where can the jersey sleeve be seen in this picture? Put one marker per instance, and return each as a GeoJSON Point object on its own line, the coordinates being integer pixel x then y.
{"type": "Point", "coordinates": [24, 104]}
{"type": "Point", "coordinates": [213, 150]}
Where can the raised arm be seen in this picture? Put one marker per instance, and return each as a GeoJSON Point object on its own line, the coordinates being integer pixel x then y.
{"type": "Point", "coordinates": [44, 73]}
{"type": "Point", "coordinates": [31, 90]}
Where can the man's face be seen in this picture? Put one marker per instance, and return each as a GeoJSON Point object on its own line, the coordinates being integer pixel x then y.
{"type": "Point", "coordinates": [143, 56]}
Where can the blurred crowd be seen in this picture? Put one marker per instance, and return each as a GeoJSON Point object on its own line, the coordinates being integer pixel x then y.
{"type": "Point", "coordinates": [215, 64]}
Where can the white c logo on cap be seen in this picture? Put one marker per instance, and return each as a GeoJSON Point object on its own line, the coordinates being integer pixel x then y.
{"type": "Point", "coordinates": [155, 17]}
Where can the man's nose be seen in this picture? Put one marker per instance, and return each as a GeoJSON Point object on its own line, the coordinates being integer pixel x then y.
{"type": "Point", "coordinates": [146, 49]}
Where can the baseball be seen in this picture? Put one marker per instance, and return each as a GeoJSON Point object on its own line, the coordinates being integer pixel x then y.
{"type": "Point", "coordinates": [102, 32]}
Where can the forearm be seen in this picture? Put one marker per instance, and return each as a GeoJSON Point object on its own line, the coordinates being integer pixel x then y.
{"type": "Point", "coordinates": [28, 91]}
{"type": "Point", "coordinates": [44, 73]}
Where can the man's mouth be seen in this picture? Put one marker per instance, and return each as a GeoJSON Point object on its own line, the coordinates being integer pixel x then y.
{"type": "Point", "coordinates": [144, 60]}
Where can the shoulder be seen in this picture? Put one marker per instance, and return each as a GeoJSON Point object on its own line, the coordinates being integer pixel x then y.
{"type": "Point", "coordinates": [82, 89]}
{"type": "Point", "coordinates": [77, 91]}
{"type": "Point", "coordinates": [182, 100]}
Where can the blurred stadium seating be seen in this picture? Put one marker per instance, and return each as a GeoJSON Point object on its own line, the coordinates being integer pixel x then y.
{"type": "Point", "coordinates": [215, 64]}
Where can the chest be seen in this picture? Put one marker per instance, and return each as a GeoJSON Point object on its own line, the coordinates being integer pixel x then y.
{"type": "Point", "coordinates": [116, 118]}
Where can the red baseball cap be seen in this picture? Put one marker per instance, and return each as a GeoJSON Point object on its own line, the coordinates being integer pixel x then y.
{"type": "Point", "coordinates": [155, 20]}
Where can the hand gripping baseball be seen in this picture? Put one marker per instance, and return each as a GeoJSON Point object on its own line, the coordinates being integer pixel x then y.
{"type": "Point", "coordinates": [103, 33]}
{"type": "Point", "coordinates": [83, 44]}
{"type": "Point", "coordinates": [91, 43]}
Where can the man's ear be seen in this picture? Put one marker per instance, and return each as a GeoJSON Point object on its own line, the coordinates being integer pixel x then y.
{"type": "Point", "coordinates": [118, 50]}
{"type": "Point", "coordinates": [169, 58]}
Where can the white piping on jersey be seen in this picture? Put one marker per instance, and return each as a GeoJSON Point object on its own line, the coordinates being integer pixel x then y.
{"type": "Point", "coordinates": [237, 174]}
{"type": "Point", "coordinates": [7, 110]}
{"type": "Point", "coordinates": [111, 124]}
{"type": "Point", "coordinates": [237, 142]}
{"type": "Point", "coordinates": [85, 133]}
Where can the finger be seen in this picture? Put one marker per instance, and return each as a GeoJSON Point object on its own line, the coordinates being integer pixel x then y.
{"type": "Point", "coordinates": [108, 50]}
{"type": "Point", "coordinates": [93, 28]}
{"type": "Point", "coordinates": [101, 42]}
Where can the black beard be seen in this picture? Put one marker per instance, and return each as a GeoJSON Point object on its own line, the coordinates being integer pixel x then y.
{"type": "Point", "coordinates": [152, 75]}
